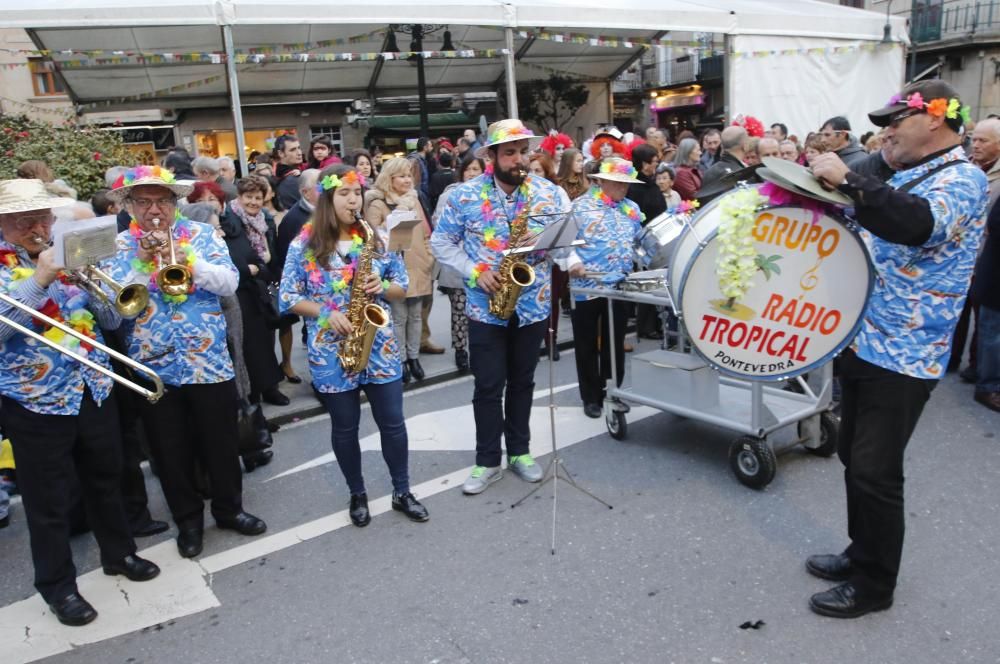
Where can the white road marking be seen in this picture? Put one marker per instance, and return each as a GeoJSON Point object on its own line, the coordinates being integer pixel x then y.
{"type": "Point", "coordinates": [29, 632]}
{"type": "Point", "coordinates": [426, 433]}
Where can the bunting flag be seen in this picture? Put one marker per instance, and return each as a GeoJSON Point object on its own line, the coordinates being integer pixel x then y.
{"type": "Point", "coordinates": [604, 40]}
{"type": "Point", "coordinates": [155, 93]}
{"type": "Point", "coordinates": [6, 102]}
{"type": "Point", "coordinates": [868, 47]}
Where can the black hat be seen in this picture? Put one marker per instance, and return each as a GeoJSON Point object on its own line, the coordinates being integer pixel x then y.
{"type": "Point", "coordinates": [929, 90]}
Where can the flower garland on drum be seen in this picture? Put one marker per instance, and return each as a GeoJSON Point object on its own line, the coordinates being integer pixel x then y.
{"type": "Point", "coordinates": [80, 318]}
{"type": "Point", "coordinates": [737, 260]}
{"type": "Point", "coordinates": [182, 247]}
{"type": "Point", "coordinates": [490, 238]}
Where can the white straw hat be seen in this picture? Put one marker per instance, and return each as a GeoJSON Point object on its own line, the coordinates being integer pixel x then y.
{"type": "Point", "coordinates": [617, 170]}
{"type": "Point", "coordinates": [23, 195]}
{"type": "Point", "coordinates": [506, 131]}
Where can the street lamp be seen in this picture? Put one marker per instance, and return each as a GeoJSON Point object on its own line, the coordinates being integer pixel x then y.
{"type": "Point", "coordinates": [418, 32]}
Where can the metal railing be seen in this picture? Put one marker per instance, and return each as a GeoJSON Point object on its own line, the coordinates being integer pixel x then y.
{"type": "Point", "coordinates": [685, 69]}
{"type": "Point", "coordinates": [935, 20]}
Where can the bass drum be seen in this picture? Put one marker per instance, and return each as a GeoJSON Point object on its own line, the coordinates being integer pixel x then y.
{"type": "Point", "coordinates": [805, 304]}
{"type": "Point", "coordinates": [656, 240]}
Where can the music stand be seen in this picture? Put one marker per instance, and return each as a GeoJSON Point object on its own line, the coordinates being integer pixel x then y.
{"type": "Point", "coordinates": [556, 464]}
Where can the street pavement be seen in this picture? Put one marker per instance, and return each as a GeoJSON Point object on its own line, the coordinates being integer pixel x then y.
{"type": "Point", "coordinates": [685, 558]}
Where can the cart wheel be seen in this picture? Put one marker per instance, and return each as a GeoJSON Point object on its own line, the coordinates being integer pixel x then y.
{"type": "Point", "coordinates": [753, 461]}
{"type": "Point", "coordinates": [617, 425]}
{"type": "Point", "coordinates": [829, 428]}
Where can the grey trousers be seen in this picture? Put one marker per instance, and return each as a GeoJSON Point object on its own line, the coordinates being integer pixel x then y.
{"type": "Point", "coordinates": [406, 318]}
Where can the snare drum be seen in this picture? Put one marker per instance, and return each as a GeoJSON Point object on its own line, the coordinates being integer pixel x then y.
{"type": "Point", "coordinates": [655, 242]}
{"type": "Point", "coordinates": [805, 304]}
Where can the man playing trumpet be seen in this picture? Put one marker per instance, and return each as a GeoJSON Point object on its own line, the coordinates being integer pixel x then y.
{"type": "Point", "coordinates": [182, 336]}
{"type": "Point", "coordinates": [59, 414]}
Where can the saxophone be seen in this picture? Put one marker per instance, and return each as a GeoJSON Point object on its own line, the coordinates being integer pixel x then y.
{"type": "Point", "coordinates": [515, 275]}
{"type": "Point", "coordinates": [366, 317]}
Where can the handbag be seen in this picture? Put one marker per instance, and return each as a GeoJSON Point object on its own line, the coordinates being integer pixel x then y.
{"type": "Point", "coordinates": [268, 296]}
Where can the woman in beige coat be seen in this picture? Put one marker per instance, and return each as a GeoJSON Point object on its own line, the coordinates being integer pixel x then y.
{"type": "Point", "coordinates": [393, 190]}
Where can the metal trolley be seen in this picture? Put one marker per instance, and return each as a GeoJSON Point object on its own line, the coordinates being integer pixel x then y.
{"type": "Point", "coordinates": [682, 383]}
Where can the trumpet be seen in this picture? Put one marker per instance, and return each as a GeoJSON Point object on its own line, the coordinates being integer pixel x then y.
{"type": "Point", "coordinates": [174, 278]}
{"type": "Point", "coordinates": [130, 299]}
{"type": "Point", "coordinates": [152, 395]}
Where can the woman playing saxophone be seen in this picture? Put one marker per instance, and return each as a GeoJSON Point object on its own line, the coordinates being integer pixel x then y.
{"type": "Point", "coordinates": [335, 264]}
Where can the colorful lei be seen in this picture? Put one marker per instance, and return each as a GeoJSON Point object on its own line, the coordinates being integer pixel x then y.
{"type": "Point", "coordinates": [330, 280]}
{"type": "Point", "coordinates": [80, 318]}
{"type": "Point", "coordinates": [132, 175]}
{"type": "Point", "coordinates": [685, 207]}
{"type": "Point", "coordinates": [490, 236]}
{"type": "Point", "coordinates": [940, 107]}
{"type": "Point", "coordinates": [182, 246]}
{"type": "Point", "coordinates": [624, 206]}
{"type": "Point", "coordinates": [333, 181]}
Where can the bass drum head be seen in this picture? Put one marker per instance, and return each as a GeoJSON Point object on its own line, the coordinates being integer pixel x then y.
{"type": "Point", "coordinates": [805, 304]}
{"type": "Point", "coordinates": [702, 225]}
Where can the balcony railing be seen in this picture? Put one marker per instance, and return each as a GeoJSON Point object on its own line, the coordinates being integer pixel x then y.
{"type": "Point", "coordinates": [934, 21]}
{"type": "Point", "coordinates": [686, 69]}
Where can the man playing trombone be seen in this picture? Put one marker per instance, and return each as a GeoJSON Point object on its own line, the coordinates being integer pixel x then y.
{"type": "Point", "coordinates": [182, 336]}
{"type": "Point", "coordinates": [59, 414]}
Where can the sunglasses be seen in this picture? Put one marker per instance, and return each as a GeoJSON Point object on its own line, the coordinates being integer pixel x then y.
{"type": "Point", "coordinates": [898, 119]}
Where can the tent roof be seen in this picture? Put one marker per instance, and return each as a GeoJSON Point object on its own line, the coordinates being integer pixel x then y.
{"type": "Point", "coordinates": [192, 26]}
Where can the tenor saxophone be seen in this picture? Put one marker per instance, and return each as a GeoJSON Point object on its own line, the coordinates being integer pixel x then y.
{"type": "Point", "coordinates": [515, 275]}
{"type": "Point", "coordinates": [365, 315]}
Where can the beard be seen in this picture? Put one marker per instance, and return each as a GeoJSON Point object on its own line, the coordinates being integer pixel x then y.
{"type": "Point", "coordinates": [514, 176]}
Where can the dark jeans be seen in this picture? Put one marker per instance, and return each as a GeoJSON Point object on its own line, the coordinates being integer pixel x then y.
{"type": "Point", "coordinates": [386, 401]}
{"type": "Point", "coordinates": [593, 366]}
{"type": "Point", "coordinates": [196, 422]}
{"type": "Point", "coordinates": [503, 360]}
{"type": "Point", "coordinates": [879, 411]}
{"type": "Point", "coordinates": [965, 321]}
{"type": "Point", "coordinates": [53, 452]}
{"type": "Point", "coordinates": [989, 350]}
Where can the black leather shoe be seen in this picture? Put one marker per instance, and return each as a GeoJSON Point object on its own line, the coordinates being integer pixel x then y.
{"type": "Point", "coordinates": [843, 602]}
{"type": "Point", "coordinates": [462, 360]}
{"type": "Point", "coordinates": [274, 397]}
{"type": "Point", "coordinates": [256, 459]}
{"type": "Point", "coordinates": [406, 372]}
{"type": "Point", "coordinates": [416, 370]}
{"type": "Point", "coordinates": [4, 522]}
{"type": "Point", "coordinates": [73, 610]}
{"type": "Point", "coordinates": [360, 516]}
{"type": "Point", "coordinates": [150, 528]}
{"type": "Point", "coordinates": [244, 523]}
{"type": "Point", "coordinates": [189, 542]}
{"type": "Point", "coordinates": [133, 568]}
{"type": "Point", "coordinates": [410, 506]}
{"type": "Point", "coordinates": [829, 566]}
{"type": "Point", "coordinates": [593, 410]}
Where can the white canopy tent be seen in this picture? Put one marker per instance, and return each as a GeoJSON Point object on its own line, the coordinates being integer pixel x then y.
{"type": "Point", "coordinates": [261, 49]}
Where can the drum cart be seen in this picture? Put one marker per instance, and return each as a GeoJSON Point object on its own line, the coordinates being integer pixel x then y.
{"type": "Point", "coordinates": [684, 384]}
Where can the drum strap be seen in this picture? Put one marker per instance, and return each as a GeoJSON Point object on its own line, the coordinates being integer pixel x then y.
{"type": "Point", "coordinates": [934, 171]}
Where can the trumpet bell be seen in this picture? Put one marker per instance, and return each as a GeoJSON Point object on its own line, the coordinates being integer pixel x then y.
{"type": "Point", "coordinates": [132, 300]}
{"type": "Point", "coordinates": [174, 279]}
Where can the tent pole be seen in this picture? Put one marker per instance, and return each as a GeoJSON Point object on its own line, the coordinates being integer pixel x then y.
{"type": "Point", "coordinates": [727, 79]}
{"type": "Point", "coordinates": [511, 81]}
{"type": "Point", "coordinates": [611, 103]}
{"type": "Point", "coordinates": [234, 97]}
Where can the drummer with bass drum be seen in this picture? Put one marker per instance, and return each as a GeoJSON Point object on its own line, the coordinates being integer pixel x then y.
{"type": "Point", "coordinates": [609, 223]}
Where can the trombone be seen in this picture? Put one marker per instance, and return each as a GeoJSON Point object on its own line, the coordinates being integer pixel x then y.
{"type": "Point", "coordinates": [152, 395]}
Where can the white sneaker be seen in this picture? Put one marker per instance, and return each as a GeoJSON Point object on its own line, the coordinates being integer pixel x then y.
{"type": "Point", "coordinates": [480, 478]}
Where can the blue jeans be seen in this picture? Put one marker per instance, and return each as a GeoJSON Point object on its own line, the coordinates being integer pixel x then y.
{"type": "Point", "coordinates": [988, 357]}
{"type": "Point", "coordinates": [503, 360]}
{"type": "Point", "coordinates": [386, 401]}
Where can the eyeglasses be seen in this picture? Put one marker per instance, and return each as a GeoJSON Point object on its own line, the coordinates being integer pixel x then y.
{"type": "Point", "coordinates": [146, 203]}
{"type": "Point", "coordinates": [27, 222]}
{"type": "Point", "coordinates": [898, 119]}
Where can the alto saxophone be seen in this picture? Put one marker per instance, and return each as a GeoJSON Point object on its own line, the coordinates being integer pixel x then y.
{"type": "Point", "coordinates": [515, 275]}
{"type": "Point", "coordinates": [366, 317]}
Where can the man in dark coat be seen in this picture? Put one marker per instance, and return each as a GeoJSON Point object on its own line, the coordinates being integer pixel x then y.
{"type": "Point", "coordinates": [289, 155]}
{"type": "Point", "coordinates": [986, 293]}
{"type": "Point", "coordinates": [836, 135]}
{"type": "Point", "coordinates": [651, 203]}
{"type": "Point", "coordinates": [732, 158]}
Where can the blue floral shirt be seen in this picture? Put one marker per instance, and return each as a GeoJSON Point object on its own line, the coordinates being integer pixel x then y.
{"type": "Point", "coordinates": [920, 291]}
{"type": "Point", "coordinates": [328, 374]}
{"type": "Point", "coordinates": [610, 236]}
{"type": "Point", "coordinates": [458, 241]}
{"type": "Point", "coordinates": [38, 377]}
{"type": "Point", "coordinates": [185, 343]}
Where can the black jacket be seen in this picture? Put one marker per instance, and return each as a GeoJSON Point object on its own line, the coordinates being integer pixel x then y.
{"type": "Point", "coordinates": [241, 251]}
{"type": "Point", "coordinates": [853, 155]}
{"type": "Point", "coordinates": [986, 286]}
{"type": "Point", "coordinates": [727, 164]}
{"type": "Point", "coordinates": [648, 197]}
{"type": "Point", "coordinates": [286, 193]}
{"type": "Point", "coordinates": [289, 228]}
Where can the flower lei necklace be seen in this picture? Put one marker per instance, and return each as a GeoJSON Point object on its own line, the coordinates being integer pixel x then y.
{"type": "Point", "coordinates": [80, 318]}
{"type": "Point", "coordinates": [490, 238]}
{"type": "Point", "coordinates": [182, 246]}
{"type": "Point", "coordinates": [335, 280]}
{"type": "Point", "coordinates": [624, 206]}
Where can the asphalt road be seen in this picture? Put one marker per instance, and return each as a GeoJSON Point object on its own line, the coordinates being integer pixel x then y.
{"type": "Point", "coordinates": [686, 556]}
